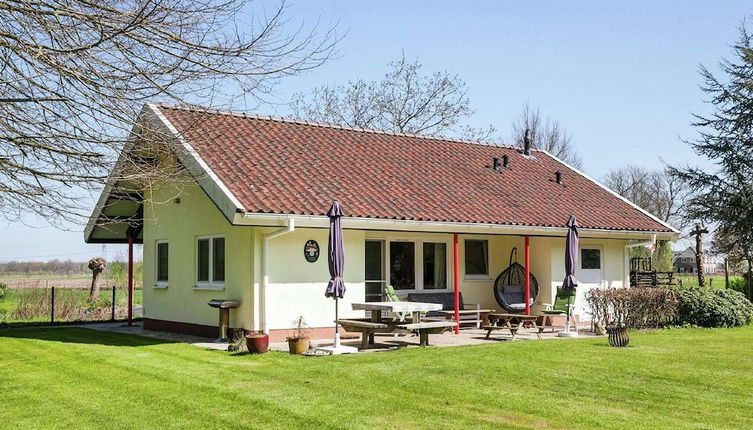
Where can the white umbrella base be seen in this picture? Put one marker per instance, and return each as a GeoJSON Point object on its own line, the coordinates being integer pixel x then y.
{"type": "Point", "coordinates": [567, 334]}
{"type": "Point", "coordinates": [337, 350]}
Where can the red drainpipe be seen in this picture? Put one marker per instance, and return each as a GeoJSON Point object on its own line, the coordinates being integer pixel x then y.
{"type": "Point", "coordinates": [528, 277]}
{"type": "Point", "coordinates": [456, 273]}
{"type": "Point", "coordinates": [130, 280]}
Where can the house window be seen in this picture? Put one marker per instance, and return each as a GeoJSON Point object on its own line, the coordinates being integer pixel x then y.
{"type": "Point", "coordinates": [406, 264]}
{"type": "Point", "coordinates": [403, 265]}
{"type": "Point", "coordinates": [210, 253]}
{"type": "Point", "coordinates": [162, 262]}
{"type": "Point", "coordinates": [590, 258]}
{"type": "Point", "coordinates": [477, 257]}
{"type": "Point", "coordinates": [435, 266]}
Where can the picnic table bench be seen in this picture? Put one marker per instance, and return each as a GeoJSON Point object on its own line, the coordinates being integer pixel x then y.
{"type": "Point", "coordinates": [367, 328]}
{"type": "Point", "coordinates": [512, 322]}
{"type": "Point", "coordinates": [424, 329]}
{"type": "Point", "coordinates": [376, 324]}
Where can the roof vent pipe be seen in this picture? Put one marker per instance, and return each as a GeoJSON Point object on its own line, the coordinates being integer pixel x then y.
{"type": "Point", "coordinates": [495, 164]}
{"type": "Point", "coordinates": [558, 177]}
{"type": "Point", "coordinates": [505, 161]}
{"type": "Point", "coordinates": [527, 142]}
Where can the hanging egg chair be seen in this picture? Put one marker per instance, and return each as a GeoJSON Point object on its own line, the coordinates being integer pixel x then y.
{"type": "Point", "coordinates": [509, 287]}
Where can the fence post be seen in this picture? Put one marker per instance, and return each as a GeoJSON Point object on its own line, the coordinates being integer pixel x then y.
{"type": "Point", "coordinates": [112, 315]}
{"type": "Point", "coordinates": [52, 306]}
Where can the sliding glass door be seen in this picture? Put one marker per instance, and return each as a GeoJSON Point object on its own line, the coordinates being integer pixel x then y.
{"type": "Point", "coordinates": [375, 270]}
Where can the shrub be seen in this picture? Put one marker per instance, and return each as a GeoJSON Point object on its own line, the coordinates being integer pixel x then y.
{"type": "Point", "coordinates": [633, 307]}
{"type": "Point", "coordinates": [3, 290]}
{"type": "Point", "coordinates": [713, 308]}
{"type": "Point", "coordinates": [738, 283]}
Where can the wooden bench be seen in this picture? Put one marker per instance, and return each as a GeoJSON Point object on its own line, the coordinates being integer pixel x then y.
{"type": "Point", "coordinates": [469, 313]}
{"type": "Point", "coordinates": [366, 327]}
{"type": "Point", "coordinates": [513, 323]}
{"type": "Point", "coordinates": [426, 328]}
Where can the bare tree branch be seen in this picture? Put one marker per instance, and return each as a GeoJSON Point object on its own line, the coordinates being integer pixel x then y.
{"type": "Point", "coordinates": [74, 75]}
{"type": "Point", "coordinates": [547, 134]}
{"type": "Point", "coordinates": [404, 101]}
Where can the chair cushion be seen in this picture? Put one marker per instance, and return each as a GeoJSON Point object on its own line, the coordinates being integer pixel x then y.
{"type": "Point", "coordinates": [391, 294]}
{"type": "Point", "coordinates": [561, 300]}
{"type": "Point", "coordinates": [446, 299]}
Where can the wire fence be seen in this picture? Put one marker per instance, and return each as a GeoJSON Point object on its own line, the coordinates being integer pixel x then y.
{"type": "Point", "coordinates": [54, 305]}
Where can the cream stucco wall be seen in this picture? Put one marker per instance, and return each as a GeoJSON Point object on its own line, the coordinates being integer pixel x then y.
{"type": "Point", "coordinates": [181, 224]}
{"type": "Point", "coordinates": [295, 286]}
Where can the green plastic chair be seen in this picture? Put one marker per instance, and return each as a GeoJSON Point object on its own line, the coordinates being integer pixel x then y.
{"type": "Point", "coordinates": [563, 302]}
{"type": "Point", "coordinates": [564, 305]}
{"type": "Point", "coordinates": [392, 297]}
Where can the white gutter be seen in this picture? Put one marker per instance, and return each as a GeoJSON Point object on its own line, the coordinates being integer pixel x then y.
{"type": "Point", "coordinates": [359, 223]}
{"type": "Point", "coordinates": [626, 254]}
{"type": "Point", "coordinates": [265, 268]}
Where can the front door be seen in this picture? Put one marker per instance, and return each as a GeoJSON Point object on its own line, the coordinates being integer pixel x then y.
{"type": "Point", "coordinates": [590, 275]}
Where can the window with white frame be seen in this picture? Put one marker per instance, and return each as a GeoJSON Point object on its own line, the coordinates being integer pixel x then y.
{"type": "Point", "coordinates": [210, 261]}
{"type": "Point", "coordinates": [476, 258]}
{"type": "Point", "coordinates": [162, 262]}
{"type": "Point", "coordinates": [407, 264]}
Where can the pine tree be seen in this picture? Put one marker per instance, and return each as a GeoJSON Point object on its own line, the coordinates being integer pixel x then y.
{"type": "Point", "coordinates": [723, 195]}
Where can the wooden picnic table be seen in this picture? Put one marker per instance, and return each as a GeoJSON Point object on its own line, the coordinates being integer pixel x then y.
{"type": "Point", "coordinates": [414, 308]}
{"type": "Point", "coordinates": [512, 322]}
{"type": "Point", "coordinates": [378, 324]}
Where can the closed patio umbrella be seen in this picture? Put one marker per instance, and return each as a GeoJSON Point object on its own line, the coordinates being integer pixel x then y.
{"type": "Point", "coordinates": [570, 283]}
{"type": "Point", "coordinates": [336, 261]}
{"type": "Point", "coordinates": [335, 253]}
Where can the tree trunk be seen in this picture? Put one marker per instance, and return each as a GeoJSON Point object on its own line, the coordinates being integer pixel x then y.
{"type": "Point", "coordinates": [726, 273]}
{"type": "Point", "coordinates": [94, 290]}
{"type": "Point", "coordinates": [699, 255]}
{"type": "Point", "coordinates": [750, 276]}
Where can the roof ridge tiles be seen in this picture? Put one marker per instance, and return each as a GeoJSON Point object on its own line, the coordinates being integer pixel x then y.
{"type": "Point", "coordinates": [247, 115]}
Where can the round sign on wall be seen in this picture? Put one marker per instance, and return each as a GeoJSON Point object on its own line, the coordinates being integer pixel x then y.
{"type": "Point", "coordinates": [311, 251]}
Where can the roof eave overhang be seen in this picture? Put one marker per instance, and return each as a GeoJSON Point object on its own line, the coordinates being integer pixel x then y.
{"type": "Point", "coordinates": [380, 224]}
{"type": "Point", "coordinates": [222, 197]}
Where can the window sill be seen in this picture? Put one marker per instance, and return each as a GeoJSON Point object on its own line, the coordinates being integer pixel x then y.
{"type": "Point", "coordinates": [209, 287]}
{"type": "Point", "coordinates": [160, 286]}
{"type": "Point", "coordinates": [480, 278]}
{"type": "Point", "coordinates": [404, 293]}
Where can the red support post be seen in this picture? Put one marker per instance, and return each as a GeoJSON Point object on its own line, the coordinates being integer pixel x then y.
{"type": "Point", "coordinates": [456, 274]}
{"type": "Point", "coordinates": [130, 280]}
{"type": "Point", "coordinates": [528, 277]}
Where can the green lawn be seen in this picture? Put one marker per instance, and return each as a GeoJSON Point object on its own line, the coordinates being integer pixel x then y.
{"type": "Point", "coordinates": [78, 378]}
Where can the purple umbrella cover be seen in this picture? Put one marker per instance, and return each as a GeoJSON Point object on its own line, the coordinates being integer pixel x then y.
{"type": "Point", "coordinates": [335, 253]}
{"type": "Point", "coordinates": [571, 255]}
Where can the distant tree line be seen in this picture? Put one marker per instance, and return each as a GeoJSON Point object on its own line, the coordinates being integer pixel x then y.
{"type": "Point", "coordinates": [52, 267]}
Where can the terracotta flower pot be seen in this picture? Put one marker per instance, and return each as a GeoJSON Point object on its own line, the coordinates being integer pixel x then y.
{"type": "Point", "coordinates": [618, 336]}
{"type": "Point", "coordinates": [297, 345]}
{"type": "Point", "coordinates": [257, 343]}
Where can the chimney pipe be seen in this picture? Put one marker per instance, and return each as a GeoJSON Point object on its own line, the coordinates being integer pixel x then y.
{"type": "Point", "coordinates": [558, 177]}
{"type": "Point", "coordinates": [495, 164]}
{"type": "Point", "coordinates": [506, 161]}
{"type": "Point", "coordinates": [527, 142]}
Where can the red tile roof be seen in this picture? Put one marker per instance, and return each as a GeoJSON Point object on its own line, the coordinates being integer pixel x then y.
{"type": "Point", "coordinates": [272, 165]}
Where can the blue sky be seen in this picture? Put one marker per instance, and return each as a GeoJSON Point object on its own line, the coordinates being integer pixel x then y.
{"type": "Point", "coordinates": [621, 78]}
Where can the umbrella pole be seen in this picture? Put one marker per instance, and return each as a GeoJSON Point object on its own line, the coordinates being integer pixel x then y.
{"type": "Point", "coordinates": [567, 324]}
{"type": "Point", "coordinates": [337, 331]}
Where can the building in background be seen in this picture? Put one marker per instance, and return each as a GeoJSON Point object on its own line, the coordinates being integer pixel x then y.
{"type": "Point", "coordinates": [684, 262]}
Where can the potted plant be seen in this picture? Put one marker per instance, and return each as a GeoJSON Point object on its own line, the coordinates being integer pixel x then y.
{"type": "Point", "coordinates": [257, 342]}
{"type": "Point", "coordinates": [298, 341]}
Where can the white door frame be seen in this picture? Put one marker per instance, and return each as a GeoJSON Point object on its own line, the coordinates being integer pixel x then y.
{"type": "Point", "coordinates": [580, 298]}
